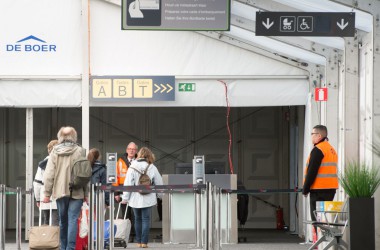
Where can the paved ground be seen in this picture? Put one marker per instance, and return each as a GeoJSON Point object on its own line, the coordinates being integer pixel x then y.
{"type": "Point", "coordinates": [243, 246]}
{"type": "Point", "coordinates": [255, 239]}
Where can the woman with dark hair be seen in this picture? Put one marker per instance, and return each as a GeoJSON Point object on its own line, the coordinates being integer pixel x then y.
{"type": "Point", "coordinates": [142, 203]}
{"type": "Point", "coordinates": [99, 171]}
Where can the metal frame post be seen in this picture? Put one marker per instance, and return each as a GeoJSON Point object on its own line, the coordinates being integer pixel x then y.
{"type": "Point", "coordinates": [2, 216]}
{"type": "Point", "coordinates": [305, 225]}
{"type": "Point", "coordinates": [101, 212]}
{"type": "Point", "coordinates": [228, 226]}
{"type": "Point", "coordinates": [90, 242]}
{"type": "Point", "coordinates": [170, 216]}
{"type": "Point", "coordinates": [111, 196]}
{"type": "Point", "coordinates": [31, 219]}
{"type": "Point", "coordinates": [210, 216]}
{"type": "Point", "coordinates": [18, 217]}
{"type": "Point", "coordinates": [198, 220]}
{"type": "Point", "coordinates": [29, 176]}
{"type": "Point", "coordinates": [97, 214]}
{"type": "Point", "coordinates": [219, 235]}
{"type": "Point", "coordinates": [216, 218]}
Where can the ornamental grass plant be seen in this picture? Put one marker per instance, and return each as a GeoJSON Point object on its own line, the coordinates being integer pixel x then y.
{"type": "Point", "coordinates": [360, 180]}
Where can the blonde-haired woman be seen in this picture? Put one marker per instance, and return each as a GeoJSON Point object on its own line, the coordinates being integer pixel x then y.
{"type": "Point", "coordinates": [39, 190]}
{"type": "Point", "coordinates": [142, 204]}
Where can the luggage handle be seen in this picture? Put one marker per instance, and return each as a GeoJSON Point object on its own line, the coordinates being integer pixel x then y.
{"type": "Point", "coordinates": [50, 214]}
{"type": "Point", "coordinates": [118, 210]}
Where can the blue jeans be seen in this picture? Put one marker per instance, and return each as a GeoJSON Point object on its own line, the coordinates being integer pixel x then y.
{"type": "Point", "coordinates": [68, 212]}
{"type": "Point", "coordinates": [142, 224]}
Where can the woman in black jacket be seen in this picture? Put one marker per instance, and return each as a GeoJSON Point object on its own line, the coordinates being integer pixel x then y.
{"type": "Point", "coordinates": [99, 171]}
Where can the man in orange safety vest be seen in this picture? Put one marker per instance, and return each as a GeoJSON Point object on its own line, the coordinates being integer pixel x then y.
{"type": "Point", "coordinates": [122, 166]}
{"type": "Point", "coordinates": [321, 172]}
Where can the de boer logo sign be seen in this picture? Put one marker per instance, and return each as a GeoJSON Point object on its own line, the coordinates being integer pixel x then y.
{"type": "Point", "coordinates": [31, 44]}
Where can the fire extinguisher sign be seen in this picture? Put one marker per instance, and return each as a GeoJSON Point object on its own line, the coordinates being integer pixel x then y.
{"type": "Point", "coordinates": [320, 94]}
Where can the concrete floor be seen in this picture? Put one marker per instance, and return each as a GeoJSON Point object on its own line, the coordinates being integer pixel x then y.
{"type": "Point", "coordinates": [265, 239]}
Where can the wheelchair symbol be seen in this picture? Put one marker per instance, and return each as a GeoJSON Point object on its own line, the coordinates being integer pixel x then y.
{"type": "Point", "coordinates": [303, 25]}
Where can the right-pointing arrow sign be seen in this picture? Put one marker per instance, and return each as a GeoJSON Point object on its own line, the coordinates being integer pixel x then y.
{"type": "Point", "coordinates": [342, 25]}
{"type": "Point", "coordinates": [268, 24]}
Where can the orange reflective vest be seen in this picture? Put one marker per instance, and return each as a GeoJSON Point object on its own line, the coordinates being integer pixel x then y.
{"type": "Point", "coordinates": [121, 172]}
{"type": "Point", "coordinates": [327, 177]}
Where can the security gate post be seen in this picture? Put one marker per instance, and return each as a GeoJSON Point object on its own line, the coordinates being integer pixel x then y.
{"type": "Point", "coordinates": [18, 217]}
{"type": "Point", "coordinates": [2, 216]}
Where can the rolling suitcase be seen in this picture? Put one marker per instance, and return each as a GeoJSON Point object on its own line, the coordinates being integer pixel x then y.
{"type": "Point", "coordinates": [44, 237]}
{"type": "Point", "coordinates": [123, 229]}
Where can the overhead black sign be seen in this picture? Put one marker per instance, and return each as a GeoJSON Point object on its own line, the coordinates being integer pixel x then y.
{"type": "Point", "coordinates": [340, 24]}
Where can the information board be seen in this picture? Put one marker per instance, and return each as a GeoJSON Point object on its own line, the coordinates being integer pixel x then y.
{"type": "Point", "coordinates": [176, 15]}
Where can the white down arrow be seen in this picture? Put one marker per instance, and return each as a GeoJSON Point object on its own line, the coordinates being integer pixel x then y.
{"type": "Point", "coordinates": [342, 25]}
{"type": "Point", "coordinates": [267, 24]}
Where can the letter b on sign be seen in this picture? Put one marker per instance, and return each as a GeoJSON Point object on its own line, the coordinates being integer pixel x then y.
{"type": "Point", "coordinates": [122, 88]}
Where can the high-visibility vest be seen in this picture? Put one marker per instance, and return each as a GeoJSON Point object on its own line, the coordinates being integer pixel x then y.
{"type": "Point", "coordinates": [121, 172]}
{"type": "Point", "coordinates": [327, 177]}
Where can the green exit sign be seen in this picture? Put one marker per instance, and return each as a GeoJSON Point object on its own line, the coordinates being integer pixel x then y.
{"type": "Point", "coordinates": [186, 87]}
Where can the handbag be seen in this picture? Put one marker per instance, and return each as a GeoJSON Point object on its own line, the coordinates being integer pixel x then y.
{"type": "Point", "coordinates": [83, 226]}
{"type": "Point", "coordinates": [44, 237]}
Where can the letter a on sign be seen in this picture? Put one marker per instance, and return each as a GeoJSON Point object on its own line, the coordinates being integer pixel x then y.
{"type": "Point", "coordinates": [320, 94]}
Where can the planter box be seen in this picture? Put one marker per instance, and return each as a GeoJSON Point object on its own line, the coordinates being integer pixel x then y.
{"type": "Point", "coordinates": [361, 223]}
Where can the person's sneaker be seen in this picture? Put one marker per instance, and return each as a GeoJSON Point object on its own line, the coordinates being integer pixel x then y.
{"type": "Point", "coordinates": [144, 245]}
{"type": "Point", "coordinates": [139, 245]}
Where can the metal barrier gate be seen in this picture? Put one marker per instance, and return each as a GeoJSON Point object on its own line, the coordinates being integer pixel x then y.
{"type": "Point", "coordinates": [4, 191]}
{"type": "Point", "coordinates": [213, 211]}
{"type": "Point", "coordinates": [97, 195]}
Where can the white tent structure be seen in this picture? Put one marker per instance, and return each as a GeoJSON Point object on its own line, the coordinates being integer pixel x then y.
{"type": "Point", "coordinates": [49, 50]}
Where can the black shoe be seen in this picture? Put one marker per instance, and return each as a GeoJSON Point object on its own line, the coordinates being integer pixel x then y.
{"type": "Point", "coordinates": [131, 239]}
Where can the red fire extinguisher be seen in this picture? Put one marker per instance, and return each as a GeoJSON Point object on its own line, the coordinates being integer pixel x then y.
{"type": "Point", "coordinates": [280, 218]}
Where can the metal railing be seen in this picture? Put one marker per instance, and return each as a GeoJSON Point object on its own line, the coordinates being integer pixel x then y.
{"type": "Point", "coordinates": [19, 192]}
{"type": "Point", "coordinates": [211, 240]}
{"type": "Point", "coordinates": [212, 225]}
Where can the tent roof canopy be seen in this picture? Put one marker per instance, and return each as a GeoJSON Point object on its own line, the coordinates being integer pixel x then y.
{"type": "Point", "coordinates": [245, 10]}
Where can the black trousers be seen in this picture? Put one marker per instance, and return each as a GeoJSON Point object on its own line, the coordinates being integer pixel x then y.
{"type": "Point", "coordinates": [325, 195]}
{"type": "Point", "coordinates": [159, 208]}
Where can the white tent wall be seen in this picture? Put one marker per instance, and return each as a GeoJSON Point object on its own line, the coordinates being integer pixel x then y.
{"type": "Point", "coordinates": [40, 63]}
{"type": "Point", "coordinates": [57, 23]}
{"type": "Point", "coordinates": [43, 93]}
{"type": "Point", "coordinates": [117, 52]}
{"type": "Point", "coordinates": [369, 89]}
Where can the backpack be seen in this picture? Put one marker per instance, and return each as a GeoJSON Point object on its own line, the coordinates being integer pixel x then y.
{"type": "Point", "coordinates": [144, 179]}
{"type": "Point", "coordinates": [81, 172]}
